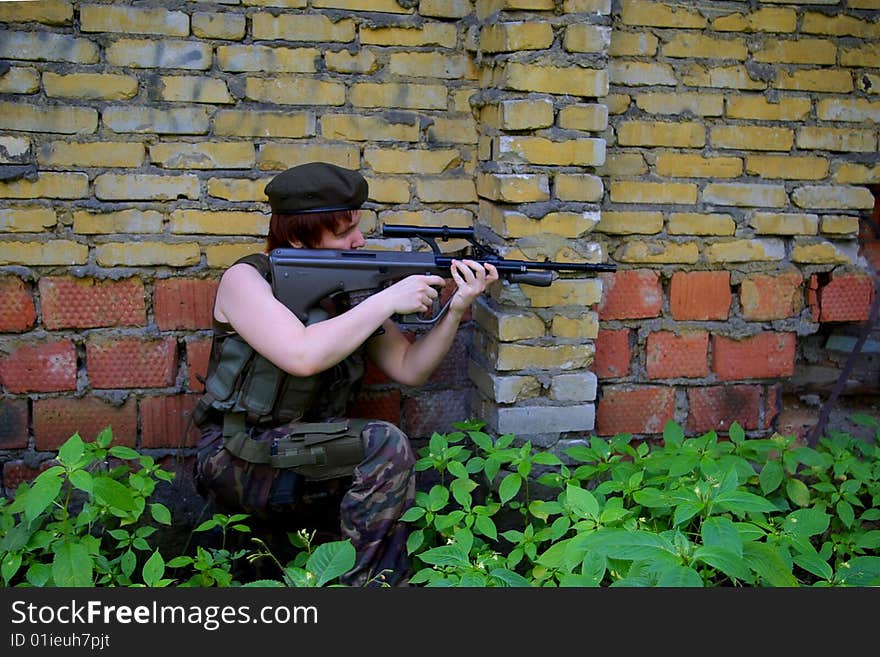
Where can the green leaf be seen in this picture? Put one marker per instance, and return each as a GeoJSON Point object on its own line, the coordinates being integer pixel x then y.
{"type": "Point", "coordinates": [124, 453]}
{"type": "Point", "coordinates": [673, 434]}
{"type": "Point", "coordinates": [264, 583]}
{"type": "Point", "coordinates": [546, 458]}
{"type": "Point", "coordinates": [41, 494]}
{"type": "Point", "coordinates": [845, 512]}
{"type": "Point", "coordinates": [82, 480]}
{"type": "Point", "coordinates": [105, 437]}
{"type": "Point", "coordinates": [509, 487]}
{"type": "Point", "coordinates": [806, 522]}
{"type": "Point", "coordinates": [813, 563]}
{"type": "Point", "coordinates": [720, 532]}
{"type": "Point", "coordinates": [797, 492]}
{"type": "Point", "coordinates": [38, 574]}
{"type": "Point", "coordinates": [728, 561]}
{"type": "Point", "coordinates": [652, 498]}
{"type": "Point", "coordinates": [160, 513]}
{"type": "Point", "coordinates": [153, 569]}
{"type": "Point", "coordinates": [771, 476]}
{"type": "Point", "coordinates": [736, 433]}
{"type": "Point", "coordinates": [9, 566]}
{"type": "Point", "coordinates": [438, 497]}
{"type": "Point", "coordinates": [508, 578]}
{"type": "Point", "coordinates": [680, 576]}
{"type": "Point", "coordinates": [860, 571]}
{"type": "Point", "coordinates": [330, 560]}
{"type": "Point", "coordinates": [16, 538]}
{"type": "Point", "coordinates": [72, 565]}
{"type": "Point", "coordinates": [414, 541]}
{"type": "Point", "coordinates": [486, 527]}
{"type": "Point", "coordinates": [870, 540]}
{"type": "Point", "coordinates": [686, 511]}
{"type": "Point", "coordinates": [71, 451]}
{"type": "Point", "coordinates": [771, 563]}
{"type": "Point", "coordinates": [412, 514]}
{"type": "Point", "coordinates": [740, 501]}
{"type": "Point", "coordinates": [581, 502]}
{"type": "Point", "coordinates": [457, 469]}
{"type": "Point", "coordinates": [110, 492]}
{"type": "Point", "coordinates": [446, 555]}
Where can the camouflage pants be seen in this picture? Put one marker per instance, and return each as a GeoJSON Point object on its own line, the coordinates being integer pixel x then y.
{"type": "Point", "coordinates": [382, 487]}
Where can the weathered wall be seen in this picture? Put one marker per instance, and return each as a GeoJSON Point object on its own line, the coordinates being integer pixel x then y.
{"type": "Point", "coordinates": [719, 152]}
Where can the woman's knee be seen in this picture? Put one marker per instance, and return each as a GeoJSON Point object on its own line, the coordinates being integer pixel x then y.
{"type": "Point", "coordinates": [385, 442]}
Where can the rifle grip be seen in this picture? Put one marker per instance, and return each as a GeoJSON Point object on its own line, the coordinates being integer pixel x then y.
{"type": "Point", "coordinates": [537, 278]}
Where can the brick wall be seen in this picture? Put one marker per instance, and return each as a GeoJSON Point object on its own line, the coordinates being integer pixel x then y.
{"type": "Point", "coordinates": [719, 153]}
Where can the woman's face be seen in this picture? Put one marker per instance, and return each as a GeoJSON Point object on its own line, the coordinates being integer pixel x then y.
{"type": "Point", "coordinates": [347, 235]}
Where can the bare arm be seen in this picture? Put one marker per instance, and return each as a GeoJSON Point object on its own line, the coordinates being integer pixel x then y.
{"type": "Point", "coordinates": [245, 300]}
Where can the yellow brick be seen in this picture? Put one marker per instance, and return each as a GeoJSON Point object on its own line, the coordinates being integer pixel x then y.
{"type": "Point", "coordinates": [452, 131]}
{"type": "Point", "coordinates": [757, 107]}
{"type": "Point", "coordinates": [147, 53]}
{"type": "Point", "coordinates": [695, 223]}
{"type": "Point", "coordinates": [779, 223]}
{"type": "Point", "coordinates": [632, 44]}
{"type": "Point", "coordinates": [46, 46]}
{"type": "Point", "coordinates": [563, 224]}
{"type": "Point", "coordinates": [655, 133]}
{"type": "Point", "coordinates": [445, 8]}
{"type": "Point", "coordinates": [624, 165]}
{"type": "Point", "coordinates": [840, 25]}
{"type": "Point", "coordinates": [630, 223]}
{"type": "Point", "coordinates": [793, 167]}
{"type": "Point", "coordinates": [564, 292]}
{"type": "Point", "coordinates": [658, 253]}
{"type": "Point", "coordinates": [866, 55]}
{"type": "Point", "coordinates": [237, 189]}
{"type": "Point", "coordinates": [701, 104]}
{"type": "Point", "coordinates": [133, 20]}
{"type": "Point", "coordinates": [432, 65]}
{"type": "Point", "coordinates": [537, 150]}
{"type": "Point", "coordinates": [822, 253]}
{"type": "Point", "coordinates": [284, 156]}
{"type": "Point", "coordinates": [192, 89]}
{"type": "Point", "coordinates": [364, 61]}
{"type": "Point", "coordinates": [582, 37]}
{"type": "Point", "coordinates": [199, 222]}
{"type": "Point", "coordinates": [814, 80]}
{"type": "Point", "coordinates": [520, 114]}
{"type": "Point", "coordinates": [770, 19]}
{"type": "Point", "coordinates": [289, 90]}
{"type": "Point", "coordinates": [833, 197]}
{"type": "Point", "coordinates": [32, 118]}
{"type": "Point", "coordinates": [578, 187]}
{"type": "Point", "coordinates": [837, 139]}
{"type": "Point", "coordinates": [601, 7]}
{"type": "Point", "coordinates": [696, 45]}
{"type": "Point", "coordinates": [395, 160]}
{"type": "Point", "coordinates": [48, 185]}
{"type": "Point", "coordinates": [745, 194]}
{"type": "Point", "coordinates": [720, 77]}
{"type": "Point", "coordinates": [52, 252]}
{"type": "Point", "coordinates": [96, 86]}
{"type": "Point", "coordinates": [571, 80]}
{"type": "Point", "coordinates": [748, 137]}
{"type": "Point", "coordinates": [856, 110]}
{"type": "Point", "coordinates": [49, 12]}
{"type": "Point", "coordinates": [145, 254]}
{"type": "Point", "coordinates": [185, 155]}
{"type": "Point", "coordinates": [592, 117]}
{"type": "Point", "coordinates": [112, 223]}
{"type": "Point", "coordinates": [220, 256]}
{"type": "Point", "coordinates": [27, 219]}
{"type": "Point", "coordinates": [124, 187]}
{"type": "Point", "coordinates": [850, 173]}
{"type": "Point", "coordinates": [446, 190]}
{"type": "Point", "coordinates": [652, 192]}
{"type": "Point", "coordinates": [368, 128]}
{"type": "Point", "coordinates": [840, 225]}
{"type": "Point", "coordinates": [513, 188]}
{"type": "Point", "coordinates": [14, 149]}
{"type": "Point", "coordinates": [640, 74]}
{"type": "Point", "coordinates": [91, 154]}
{"type": "Point", "coordinates": [178, 120]}
{"type": "Point", "coordinates": [267, 59]}
{"type": "Point", "coordinates": [399, 95]}
{"type": "Point", "coordinates": [310, 28]}
{"type": "Point", "coordinates": [745, 251]}
{"type": "Point", "coordinates": [218, 25]}
{"type": "Point", "coordinates": [689, 165]}
{"type": "Point", "coordinates": [586, 326]}
{"type": "Point", "coordinates": [264, 124]}
{"type": "Point", "coordinates": [19, 80]}
{"type": "Point", "coordinates": [617, 103]}
{"type": "Point", "coordinates": [565, 357]}
{"type": "Point", "coordinates": [388, 190]}
{"type": "Point", "coordinates": [431, 34]}
{"type": "Point", "coordinates": [801, 51]}
{"type": "Point", "coordinates": [515, 37]}
{"type": "Point", "coordinates": [508, 326]}
{"type": "Point", "coordinates": [384, 6]}
{"type": "Point", "coordinates": [658, 14]}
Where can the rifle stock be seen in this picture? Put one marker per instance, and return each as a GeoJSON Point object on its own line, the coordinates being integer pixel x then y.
{"type": "Point", "coordinates": [302, 277]}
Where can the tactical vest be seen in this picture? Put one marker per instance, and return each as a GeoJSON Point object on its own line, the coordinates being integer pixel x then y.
{"type": "Point", "coordinates": [246, 392]}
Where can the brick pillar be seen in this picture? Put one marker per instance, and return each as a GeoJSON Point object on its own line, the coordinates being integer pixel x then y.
{"type": "Point", "coordinates": [542, 78]}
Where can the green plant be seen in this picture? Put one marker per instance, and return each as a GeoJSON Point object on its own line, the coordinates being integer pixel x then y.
{"type": "Point", "coordinates": [697, 511]}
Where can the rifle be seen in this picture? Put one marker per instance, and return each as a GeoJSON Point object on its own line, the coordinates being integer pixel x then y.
{"type": "Point", "coordinates": [302, 277]}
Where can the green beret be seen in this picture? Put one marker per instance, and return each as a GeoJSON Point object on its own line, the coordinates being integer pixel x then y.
{"type": "Point", "coordinates": [316, 187]}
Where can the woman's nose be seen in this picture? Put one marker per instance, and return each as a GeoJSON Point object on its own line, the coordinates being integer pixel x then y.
{"type": "Point", "coordinates": [357, 240]}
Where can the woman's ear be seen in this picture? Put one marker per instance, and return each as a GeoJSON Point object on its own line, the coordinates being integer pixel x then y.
{"type": "Point", "coordinates": [295, 243]}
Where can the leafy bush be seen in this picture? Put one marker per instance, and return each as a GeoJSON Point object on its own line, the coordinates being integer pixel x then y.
{"type": "Point", "coordinates": [691, 512]}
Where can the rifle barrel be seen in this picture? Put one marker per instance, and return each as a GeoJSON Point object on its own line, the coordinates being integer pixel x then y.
{"type": "Point", "coordinates": [444, 232]}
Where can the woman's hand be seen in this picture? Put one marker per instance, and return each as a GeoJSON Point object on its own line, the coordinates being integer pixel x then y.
{"type": "Point", "coordinates": [472, 279]}
{"type": "Point", "coordinates": [413, 294]}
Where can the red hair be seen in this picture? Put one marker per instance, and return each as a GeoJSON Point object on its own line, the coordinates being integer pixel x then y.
{"type": "Point", "coordinates": [307, 228]}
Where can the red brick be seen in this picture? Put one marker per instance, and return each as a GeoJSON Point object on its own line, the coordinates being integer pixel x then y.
{"type": "Point", "coordinates": [58, 418]}
{"type": "Point", "coordinates": [670, 355]}
{"type": "Point", "coordinates": [16, 472]}
{"type": "Point", "coordinates": [131, 362]}
{"type": "Point", "coordinates": [198, 353]}
{"type": "Point", "coordinates": [613, 353]}
{"type": "Point", "coordinates": [450, 370]}
{"type": "Point", "coordinates": [773, 404]}
{"type": "Point", "coordinates": [813, 297]}
{"type": "Point", "coordinates": [165, 421]}
{"type": "Point", "coordinates": [69, 302]}
{"type": "Point", "coordinates": [700, 295]}
{"type": "Point", "coordinates": [17, 310]}
{"type": "Point", "coordinates": [847, 298]}
{"type": "Point", "coordinates": [763, 356]}
{"type": "Point", "coordinates": [184, 303]}
{"type": "Point", "coordinates": [13, 423]}
{"type": "Point", "coordinates": [633, 294]}
{"type": "Point", "coordinates": [634, 410]}
{"type": "Point", "coordinates": [766, 297]}
{"type": "Point", "coordinates": [435, 411]}
{"type": "Point", "coordinates": [46, 367]}
{"type": "Point", "coordinates": [717, 407]}
{"type": "Point", "coordinates": [373, 375]}
{"type": "Point", "coordinates": [378, 405]}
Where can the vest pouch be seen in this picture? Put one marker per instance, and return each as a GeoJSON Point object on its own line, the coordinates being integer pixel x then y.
{"type": "Point", "coordinates": [229, 364]}
{"type": "Point", "coordinates": [296, 397]}
{"type": "Point", "coordinates": [260, 388]}
{"type": "Point", "coordinates": [321, 450]}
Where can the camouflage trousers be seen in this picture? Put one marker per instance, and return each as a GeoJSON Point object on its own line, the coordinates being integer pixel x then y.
{"type": "Point", "coordinates": [381, 489]}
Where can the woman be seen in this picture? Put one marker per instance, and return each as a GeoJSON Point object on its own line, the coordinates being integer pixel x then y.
{"type": "Point", "coordinates": [272, 418]}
